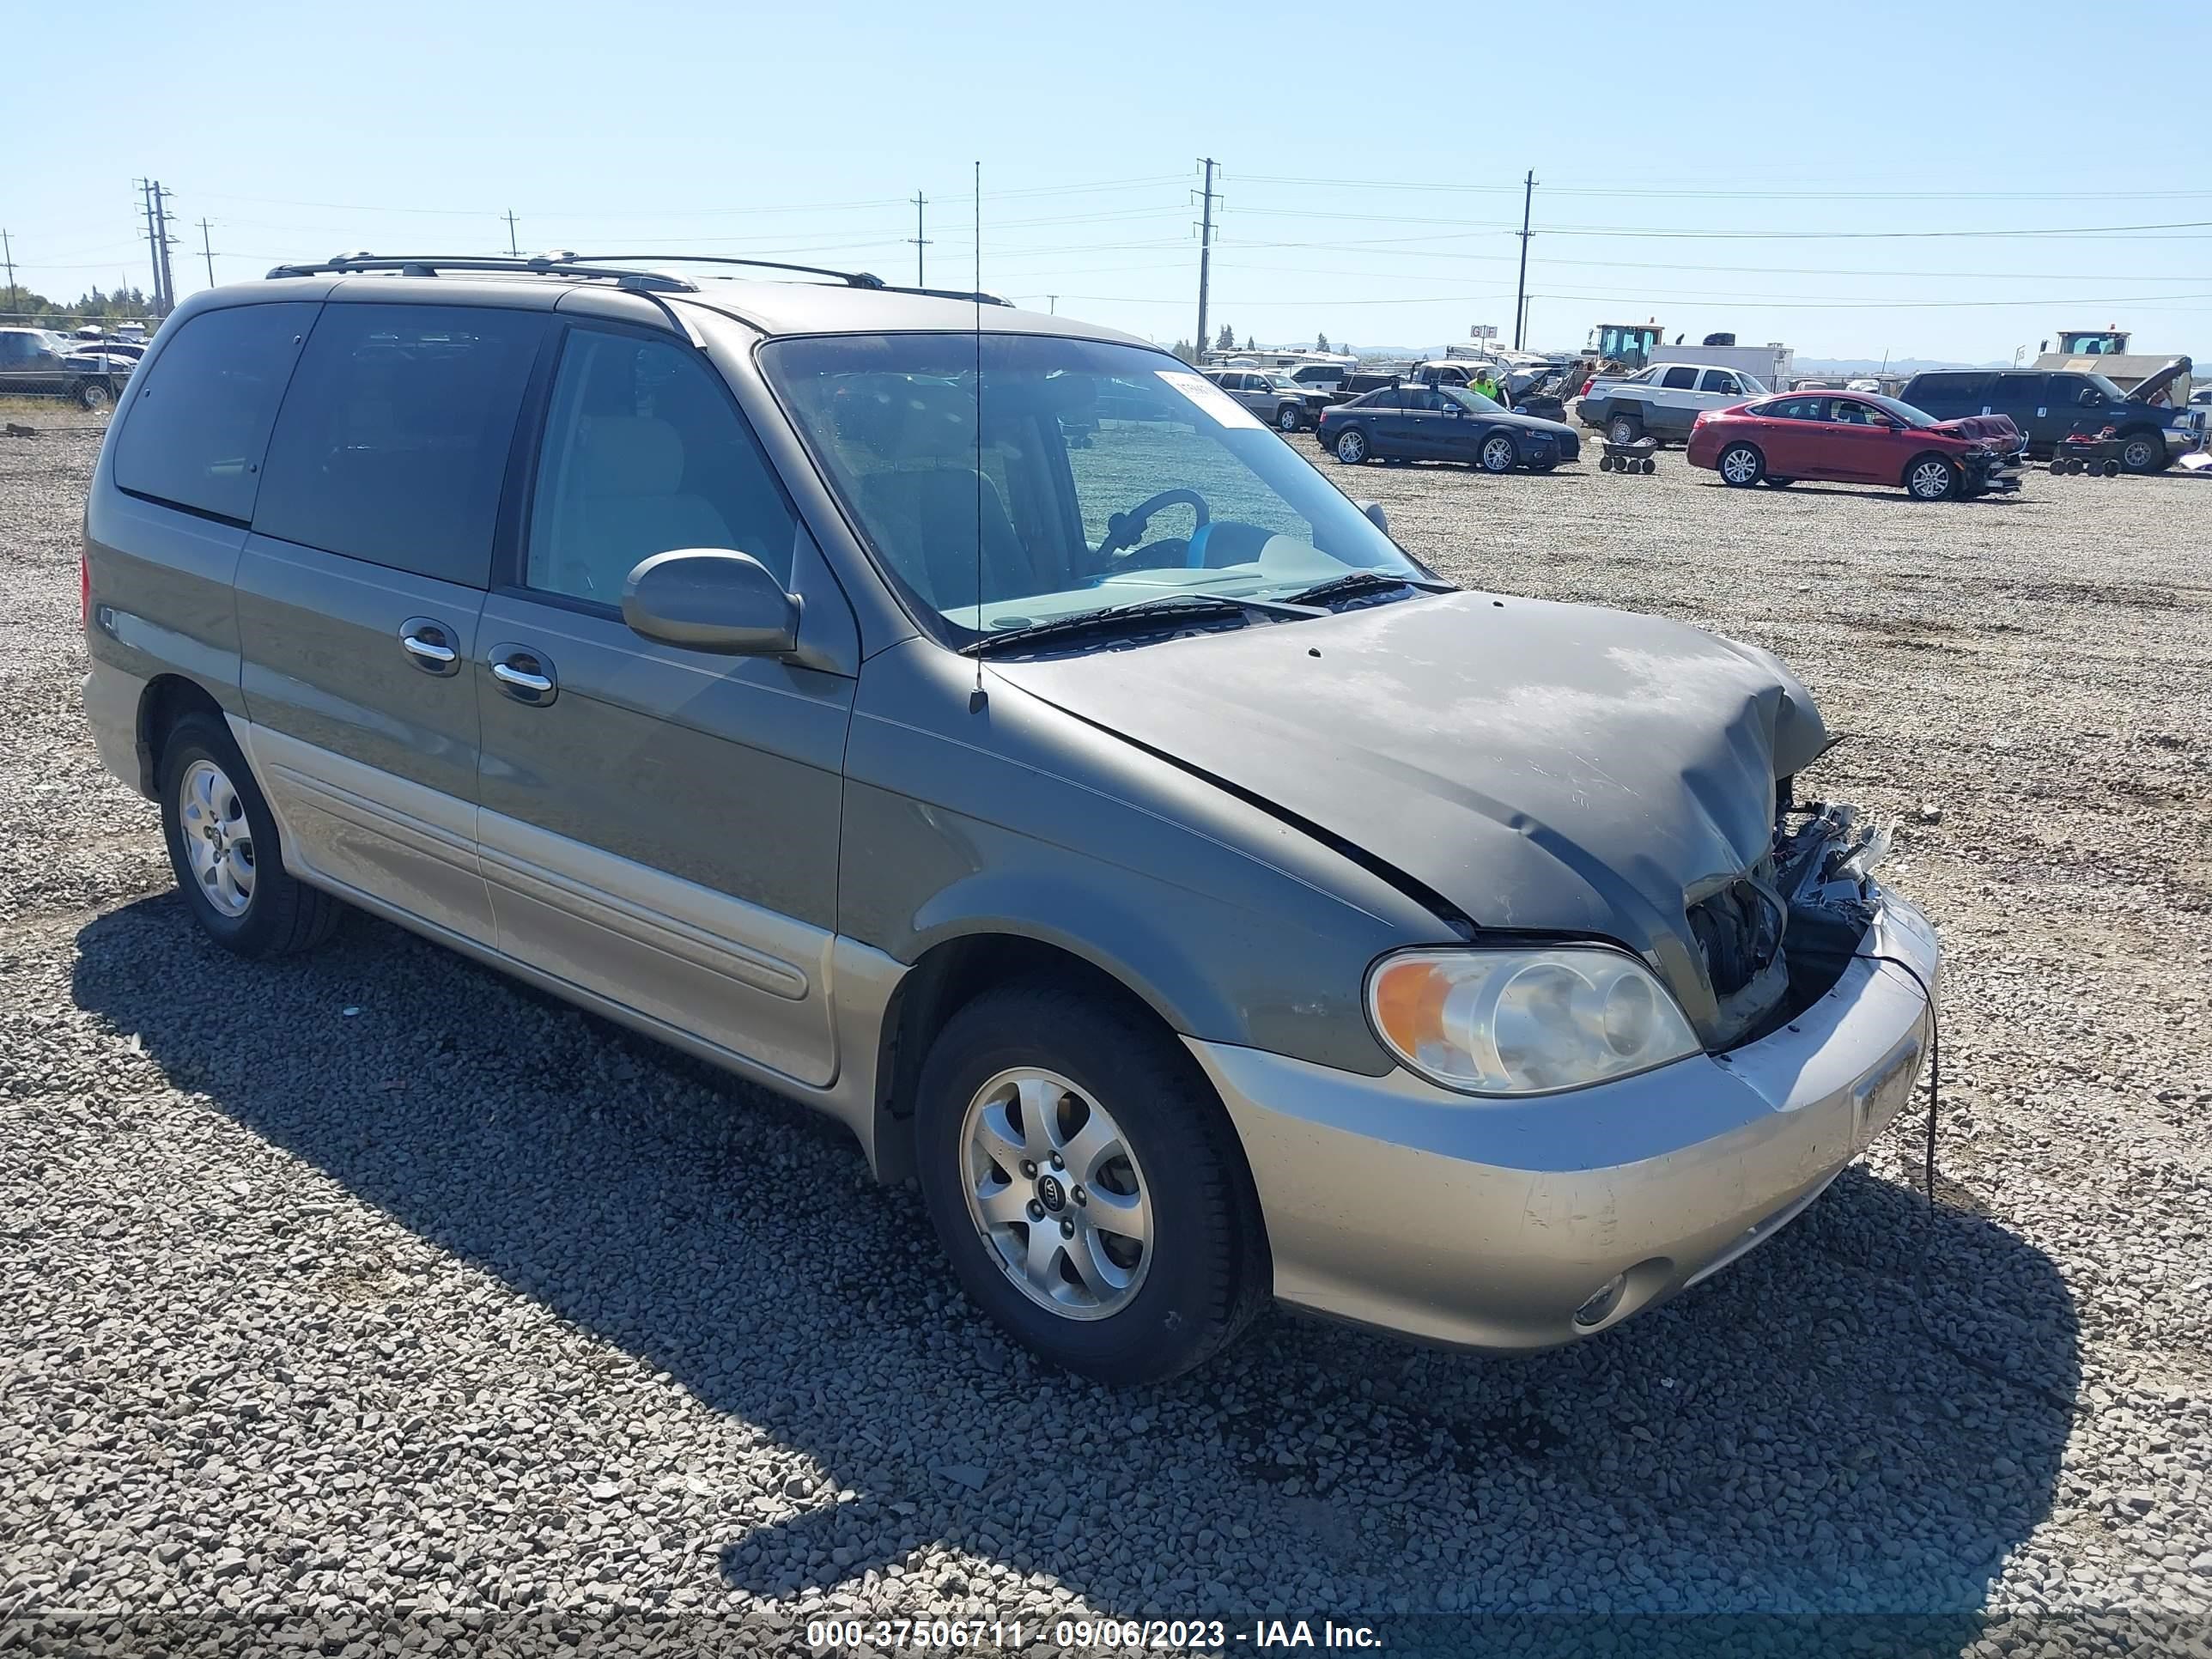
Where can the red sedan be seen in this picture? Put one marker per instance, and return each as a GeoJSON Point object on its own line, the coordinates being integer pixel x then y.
{"type": "Point", "coordinates": [1856, 438]}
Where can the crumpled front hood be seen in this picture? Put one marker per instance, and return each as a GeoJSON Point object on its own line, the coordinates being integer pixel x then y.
{"type": "Point", "coordinates": [1543, 766]}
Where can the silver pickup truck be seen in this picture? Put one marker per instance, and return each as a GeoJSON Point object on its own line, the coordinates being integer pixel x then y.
{"type": "Point", "coordinates": [1663, 401]}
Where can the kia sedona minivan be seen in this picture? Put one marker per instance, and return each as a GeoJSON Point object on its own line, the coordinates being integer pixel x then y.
{"type": "Point", "coordinates": [977, 725]}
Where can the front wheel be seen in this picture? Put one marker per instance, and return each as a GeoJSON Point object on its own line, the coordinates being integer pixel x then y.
{"type": "Point", "coordinates": [1289, 418]}
{"type": "Point", "coordinates": [1773, 483]}
{"type": "Point", "coordinates": [1087, 1186]}
{"type": "Point", "coordinates": [1742, 465]}
{"type": "Point", "coordinates": [1498, 453]}
{"type": "Point", "coordinates": [2143, 452]}
{"type": "Point", "coordinates": [94, 396]}
{"type": "Point", "coordinates": [222, 838]}
{"type": "Point", "coordinates": [1931, 478]}
{"type": "Point", "coordinates": [1353, 447]}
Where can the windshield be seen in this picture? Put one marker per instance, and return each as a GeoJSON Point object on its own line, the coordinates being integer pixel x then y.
{"type": "Point", "coordinates": [53, 340]}
{"type": "Point", "coordinates": [1904, 411]}
{"type": "Point", "coordinates": [1109, 475]}
{"type": "Point", "coordinates": [1284, 383]}
{"type": "Point", "coordinates": [2106, 386]}
{"type": "Point", "coordinates": [1473, 399]}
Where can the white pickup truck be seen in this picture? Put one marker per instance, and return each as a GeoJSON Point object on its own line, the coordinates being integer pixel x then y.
{"type": "Point", "coordinates": [1663, 401]}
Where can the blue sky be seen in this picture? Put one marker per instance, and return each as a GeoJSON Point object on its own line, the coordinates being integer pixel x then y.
{"type": "Point", "coordinates": [1774, 170]}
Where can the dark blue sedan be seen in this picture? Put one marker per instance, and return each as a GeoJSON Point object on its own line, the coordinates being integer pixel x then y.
{"type": "Point", "coordinates": [1443, 423]}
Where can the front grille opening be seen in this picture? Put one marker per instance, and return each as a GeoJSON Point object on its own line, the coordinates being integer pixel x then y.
{"type": "Point", "coordinates": [1739, 934]}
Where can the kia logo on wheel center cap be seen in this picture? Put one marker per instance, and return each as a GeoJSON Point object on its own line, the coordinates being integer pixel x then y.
{"type": "Point", "coordinates": [1050, 1192]}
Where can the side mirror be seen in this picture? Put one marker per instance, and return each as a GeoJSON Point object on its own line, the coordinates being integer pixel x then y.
{"type": "Point", "coordinates": [710, 599]}
{"type": "Point", "coordinates": [1376, 515]}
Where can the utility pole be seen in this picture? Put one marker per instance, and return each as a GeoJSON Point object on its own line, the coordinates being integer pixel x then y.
{"type": "Point", "coordinates": [1521, 288]}
{"type": "Point", "coordinates": [153, 241]}
{"type": "Point", "coordinates": [1204, 258]}
{"type": "Point", "coordinates": [207, 252]}
{"type": "Point", "coordinates": [919, 240]}
{"type": "Point", "coordinates": [8, 257]}
{"type": "Point", "coordinates": [512, 245]}
{"type": "Point", "coordinates": [1052, 299]}
{"type": "Point", "coordinates": [169, 278]}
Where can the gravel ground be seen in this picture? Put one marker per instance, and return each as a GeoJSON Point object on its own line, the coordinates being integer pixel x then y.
{"type": "Point", "coordinates": [369, 1285]}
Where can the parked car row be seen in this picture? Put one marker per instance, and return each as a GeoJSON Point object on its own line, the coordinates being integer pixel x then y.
{"type": "Point", "coordinates": [38, 363]}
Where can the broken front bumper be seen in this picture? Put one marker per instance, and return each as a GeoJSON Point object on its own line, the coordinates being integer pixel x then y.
{"type": "Point", "coordinates": [1489, 1223]}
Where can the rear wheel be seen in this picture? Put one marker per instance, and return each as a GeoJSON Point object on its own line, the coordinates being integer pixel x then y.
{"type": "Point", "coordinates": [2143, 452]}
{"type": "Point", "coordinates": [1624, 429]}
{"type": "Point", "coordinates": [1773, 483]}
{"type": "Point", "coordinates": [94, 395]}
{"type": "Point", "coordinates": [1931, 478]}
{"type": "Point", "coordinates": [1498, 453]}
{"type": "Point", "coordinates": [1087, 1186]}
{"type": "Point", "coordinates": [222, 844]}
{"type": "Point", "coordinates": [1352, 446]}
{"type": "Point", "coordinates": [1742, 465]}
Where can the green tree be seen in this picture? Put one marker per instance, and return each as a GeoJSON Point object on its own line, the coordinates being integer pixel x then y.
{"type": "Point", "coordinates": [1181, 349]}
{"type": "Point", "coordinates": [1321, 342]}
{"type": "Point", "coordinates": [1248, 343]}
{"type": "Point", "coordinates": [1226, 340]}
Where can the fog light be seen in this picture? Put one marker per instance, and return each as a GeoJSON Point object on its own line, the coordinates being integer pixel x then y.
{"type": "Point", "coordinates": [1607, 1298]}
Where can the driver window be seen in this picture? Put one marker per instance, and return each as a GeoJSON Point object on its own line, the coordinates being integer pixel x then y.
{"type": "Point", "coordinates": [644, 452]}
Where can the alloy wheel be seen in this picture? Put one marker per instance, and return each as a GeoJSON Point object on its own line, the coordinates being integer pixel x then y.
{"type": "Point", "coordinates": [1497, 454]}
{"type": "Point", "coordinates": [1351, 447]}
{"type": "Point", "coordinates": [218, 837]}
{"type": "Point", "coordinates": [1931, 480]}
{"type": "Point", "coordinates": [1740, 466]}
{"type": "Point", "coordinates": [1056, 1194]}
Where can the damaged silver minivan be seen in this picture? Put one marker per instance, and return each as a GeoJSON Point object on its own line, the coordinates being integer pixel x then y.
{"type": "Point", "coordinates": [973, 725]}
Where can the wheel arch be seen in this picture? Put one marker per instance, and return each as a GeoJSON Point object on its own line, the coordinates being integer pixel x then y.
{"type": "Point", "coordinates": [952, 972]}
{"type": "Point", "coordinates": [167, 699]}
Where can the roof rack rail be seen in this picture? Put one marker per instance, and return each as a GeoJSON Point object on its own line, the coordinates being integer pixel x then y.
{"type": "Point", "coordinates": [542, 264]}
{"type": "Point", "coordinates": [850, 278]}
{"type": "Point", "coordinates": [963, 295]}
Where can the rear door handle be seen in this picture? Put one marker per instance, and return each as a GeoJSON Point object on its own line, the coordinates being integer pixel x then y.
{"type": "Point", "coordinates": [429, 646]}
{"type": "Point", "coordinates": [524, 674]}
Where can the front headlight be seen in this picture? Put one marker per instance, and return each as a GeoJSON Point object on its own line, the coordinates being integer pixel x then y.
{"type": "Point", "coordinates": [1524, 1021]}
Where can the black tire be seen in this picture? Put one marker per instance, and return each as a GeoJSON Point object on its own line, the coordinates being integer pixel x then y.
{"type": "Point", "coordinates": [1498, 453]}
{"type": "Point", "coordinates": [1208, 1274]}
{"type": "Point", "coordinates": [1624, 429]}
{"type": "Point", "coordinates": [2142, 452]}
{"type": "Point", "coordinates": [1773, 483]}
{"type": "Point", "coordinates": [1289, 418]}
{"type": "Point", "coordinates": [1650, 466]}
{"type": "Point", "coordinates": [1750, 465]}
{"type": "Point", "coordinates": [1604, 463]}
{"type": "Point", "coordinates": [1353, 447]}
{"type": "Point", "coordinates": [1541, 466]}
{"type": "Point", "coordinates": [1931, 477]}
{"type": "Point", "coordinates": [282, 915]}
{"type": "Point", "coordinates": [94, 396]}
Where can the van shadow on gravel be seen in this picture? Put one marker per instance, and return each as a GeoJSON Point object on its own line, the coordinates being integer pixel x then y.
{"type": "Point", "coordinates": [1865, 1416]}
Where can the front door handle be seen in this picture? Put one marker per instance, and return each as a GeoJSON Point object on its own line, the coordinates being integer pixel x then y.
{"type": "Point", "coordinates": [429, 646]}
{"type": "Point", "coordinates": [524, 674]}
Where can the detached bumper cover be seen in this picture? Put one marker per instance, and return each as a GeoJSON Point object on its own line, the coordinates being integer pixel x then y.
{"type": "Point", "coordinates": [1392, 1203]}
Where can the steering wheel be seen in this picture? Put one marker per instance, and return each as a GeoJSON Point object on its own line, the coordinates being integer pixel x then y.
{"type": "Point", "coordinates": [1123, 529]}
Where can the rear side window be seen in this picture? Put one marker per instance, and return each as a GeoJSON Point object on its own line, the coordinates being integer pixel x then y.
{"type": "Point", "coordinates": [2017, 391]}
{"type": "Point", "coordinates": [198, 424]}
{"type": "Point", "coordinates": [1680, 379]}
{"type": "Point", "coordinates": [393, 443]}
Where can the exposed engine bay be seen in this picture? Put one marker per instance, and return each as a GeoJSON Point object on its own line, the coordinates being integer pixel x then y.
{"type": "Point", "coordinates": [1776, 939]}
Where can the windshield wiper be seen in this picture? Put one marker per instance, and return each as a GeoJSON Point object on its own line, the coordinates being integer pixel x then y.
{"type": "Point", "coordinates": [1360, 582]}
{"type": "Point", "coordinates": [1168, 608]}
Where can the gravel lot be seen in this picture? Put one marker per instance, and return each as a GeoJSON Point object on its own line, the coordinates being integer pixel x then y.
{"type": "Point", "coordinates": [370, 1285]}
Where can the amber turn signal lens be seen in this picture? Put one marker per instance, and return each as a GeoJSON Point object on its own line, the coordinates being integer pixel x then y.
{"type": "Point", "coordinates": [1409, 1004]}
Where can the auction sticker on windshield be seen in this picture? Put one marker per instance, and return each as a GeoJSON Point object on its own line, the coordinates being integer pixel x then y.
{"type": "Point", "coordinates": [1224, 409]}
